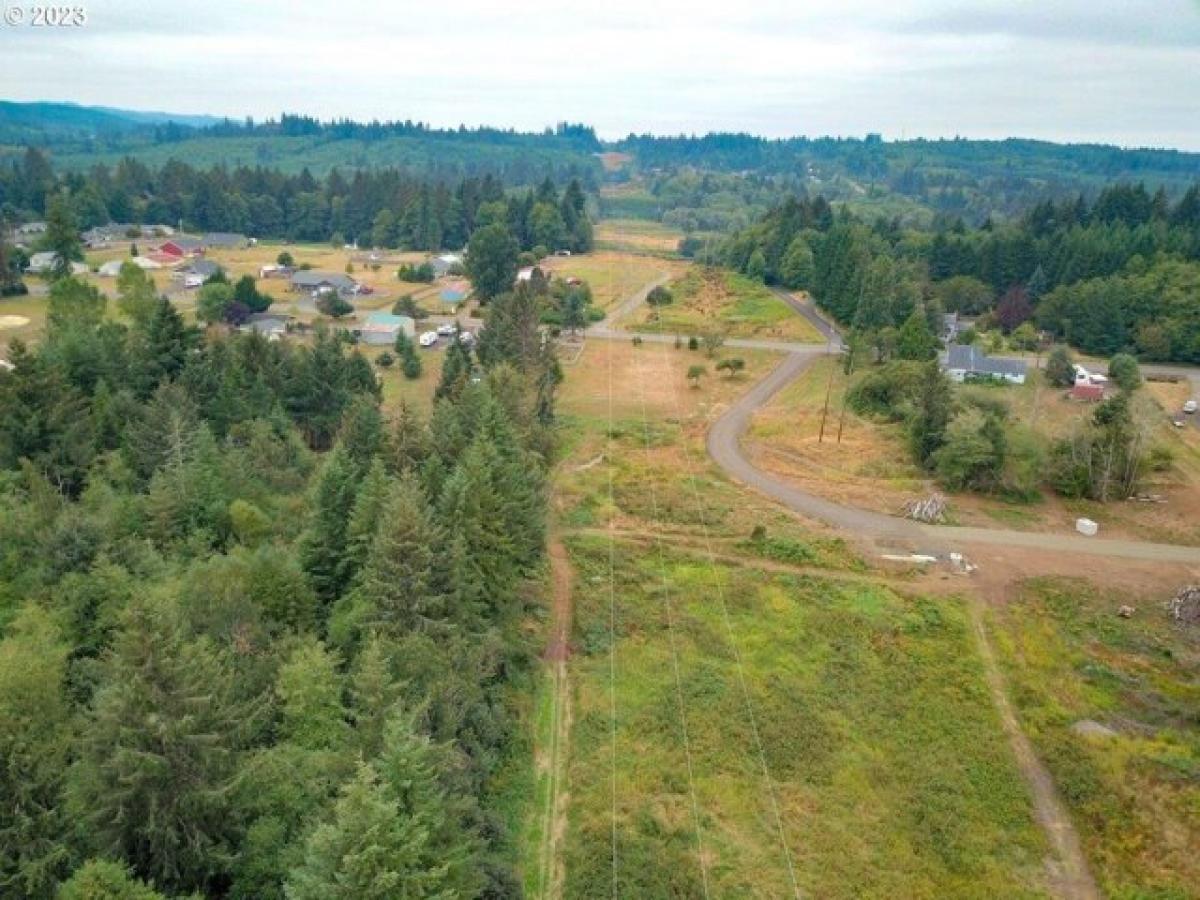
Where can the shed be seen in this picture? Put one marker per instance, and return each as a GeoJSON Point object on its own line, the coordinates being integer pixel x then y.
{"type": "Point", "coordinates": [1086, 392]}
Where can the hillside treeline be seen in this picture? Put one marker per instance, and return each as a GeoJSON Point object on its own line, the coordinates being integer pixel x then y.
{"type": "Point", "coordinates": [1117, 273]}
{"type": "Point", "coordinates": [383, 208]}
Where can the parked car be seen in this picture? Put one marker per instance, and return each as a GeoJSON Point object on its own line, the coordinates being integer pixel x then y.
{"type": "Point", "coordinates": [466, 337]}
{"type": "Point", "coordinates": [447, 329]}
{"type": "Point", "coordinates": [428, 339]}
{"type": "Point", "coordinates": [1189, 407]}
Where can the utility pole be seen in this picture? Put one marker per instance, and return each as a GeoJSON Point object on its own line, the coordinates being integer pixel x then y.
{"type": "Point", "coordinates": [849, 351]}
{"type": "Point", "coordinates": [828, 391]}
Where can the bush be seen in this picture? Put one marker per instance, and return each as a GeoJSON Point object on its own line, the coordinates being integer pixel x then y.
{"type": "Point", "coordinates": [385, 360]}
{"type": "Point", "coordinates": [285, 259]}
{"type": "Point", "coordinates": [1124, 370]}
{"type": "Point", "coordinates": [693, 343]}
{"type": "Point", "coordinates": [885, 392]}
{"type": "Point", "coordinates": [1060, 368]}
{"type": "Point", "coordinates": [660, 296]}
{"type": "Point", "coordinates": [334, 305]}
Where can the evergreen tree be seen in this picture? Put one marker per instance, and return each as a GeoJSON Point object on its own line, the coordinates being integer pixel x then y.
{"type": "Point", "coordinates": [309, 689]}
{"type": "Point", "coordinates": [368, 511]}
{"type": "Point", "coordinates": [99, 879]}
{"type": "Point", "coordinates": [1060, 368]}
{"type": "Point", "coordinates": [915, 341]}
{"type": "Point", "coordinates": [34, 747]}
{"type": "Point", "coordinates": [931, 415]}
{"type": "Point", "coordinates": [62, 235]}
{"type": "Point", "coordinates": [323, 544]}
{"type": "Point", "coordinates": [456, 372]}
{"type": "Point", "coordinates": [409, 443]}
{"type": "Point", "coordinates": [158, 754]}
{"type": "Point", "coordinates": [396, 582]}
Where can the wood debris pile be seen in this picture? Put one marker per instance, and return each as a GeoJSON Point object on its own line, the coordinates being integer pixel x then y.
{"type": "Point", "coordinates": [930, 509]}
{"type": "Point", "coordinates": [1184, 607]}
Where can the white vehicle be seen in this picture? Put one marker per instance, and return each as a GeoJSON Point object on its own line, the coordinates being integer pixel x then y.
{"type": "Point", "coordinates": [1189, 407]}
{"type": "Point", "coordinates": [428, 339]}
{"type": "Point", "coordinates": [447, 329]}
{"type": "Point", "coordinates": [466, 337]}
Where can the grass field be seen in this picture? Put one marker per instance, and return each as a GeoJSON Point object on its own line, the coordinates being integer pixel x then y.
{"type": "Point", "coordinates": [637, 235]}
{"type": "Point", "coordinates": [880, 747]}
{"type": "Point", "coordinates": [708, 299]}
{"type": "Point", "coordinates": [1134, 792]}
{"type": "Point", "coordinates": [613, 275]}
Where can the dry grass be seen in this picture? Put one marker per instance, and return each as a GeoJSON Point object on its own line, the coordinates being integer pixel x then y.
{"type": "Point", "coordinates": [613, 275]}
{"type": "Point", "coordinates": [709, 299]}
{"type": "Point", "coordinates": [637, 235]}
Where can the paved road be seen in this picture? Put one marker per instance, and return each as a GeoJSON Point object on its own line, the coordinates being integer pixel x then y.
{"type": "Point", "coordinates": [808, 310]}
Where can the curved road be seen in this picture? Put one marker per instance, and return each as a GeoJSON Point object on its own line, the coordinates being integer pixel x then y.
{"type": "Point", "coordinates": [724, 446]}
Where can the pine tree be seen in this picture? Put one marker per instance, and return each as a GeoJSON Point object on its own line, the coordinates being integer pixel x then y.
{"type": "Point", "coordinates": [323, 544]}
{"type": "Point", "coordinates": [409, 444]}
{"type": "Point", "coordinates": [309, 688]}
{"type": "Point", "coordinates": [374, 696]}
{"type": "Point", "coordinates": [933, 402]}
{"type": "Point", "coordinates": [369, 505]}
{"type": "Point", "coordinates": [100, 879]}
{"type": "Point", "coordinates": [34, 747]}
{"type": "Point", "coordinates": [396, 582]}
{"type": "Point", "coordinates": [456, 372]}
{"type": "Point", "coordinates": [370, 850]}
{"type": "Point", "coordinates": [914, 340]}
{"type": "Point", "coordinates": [158, 754]}
{"type": "Point", "coordinates": [62, 234]}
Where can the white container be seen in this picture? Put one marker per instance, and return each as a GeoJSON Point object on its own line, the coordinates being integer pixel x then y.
{"type": "Point", "coordinates": [1087, 527]}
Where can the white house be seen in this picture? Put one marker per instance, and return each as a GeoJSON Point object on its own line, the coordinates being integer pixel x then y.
{"type": "Point", "coordinates": [966, 362]}
{"type": "Point", "coordinates": [42, 263]}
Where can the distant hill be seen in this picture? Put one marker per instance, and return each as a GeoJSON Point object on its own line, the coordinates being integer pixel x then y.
{"type": "Point", "coordinates": [50, 122]}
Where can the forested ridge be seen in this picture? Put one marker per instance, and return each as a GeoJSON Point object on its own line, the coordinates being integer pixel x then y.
{"type": "Point", "coordinates": [1117, 273]}
{"type": "Point", "coordinates": [258, 639]}
{"type": "Point", "coordinates": [387, 208]}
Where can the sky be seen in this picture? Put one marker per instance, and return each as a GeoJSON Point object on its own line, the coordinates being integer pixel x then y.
{"type": "Point", "coordinates": [1114, 71]}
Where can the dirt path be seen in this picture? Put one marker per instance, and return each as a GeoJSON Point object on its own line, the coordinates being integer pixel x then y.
{"type": "Point", "coordinates": [1070, 872]}
{"type": "Point", "coordinates": [553, 757]}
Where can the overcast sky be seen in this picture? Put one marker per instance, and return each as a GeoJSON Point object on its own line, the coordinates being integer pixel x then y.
{"type": "Point", "coordinates": [1120, 71]}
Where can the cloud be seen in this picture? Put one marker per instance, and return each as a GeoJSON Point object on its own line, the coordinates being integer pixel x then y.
{"type": "Point", "coordinates": [1057, 69]}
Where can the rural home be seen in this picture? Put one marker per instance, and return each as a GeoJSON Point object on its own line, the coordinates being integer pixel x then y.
{"type": "Point", "coordinates": [444, 264]}
{"type": "Point", "coordinates": [112, 268]}
{"type": "Point", "coordinates": [966, 362]}
{"type": "Point", "coordinates": [1083, 376]}
{"type": "Point", "coordinates": [42, 263]}
{"type": "Point", "coordinates": [276, 271]}
{"type": "Point", "coordinates": [314, 282]}
{"type": "Point", "coordinates": [202, 268]}
{"type": "Point", "coordinates": [272, 326]}
{"type": "Point", "coordinates": [382, 328]}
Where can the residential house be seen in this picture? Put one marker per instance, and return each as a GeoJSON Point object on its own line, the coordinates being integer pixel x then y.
{"type": "Point", "coordinates": [43, 263]}
{"type": "Point", "coordinates": [276, 271]}
{"type": "Point", "coordinates": [966, 362]}
{"type": "Point", "coordinates": [313, 282]}
{"type": "Point", "coordinates": [382, 328]}
{"type": "Point", "coordinates": [272, 326]}
{"type": "Point", "coordinates": [443, 265]}
{"type": "Point", "coordinates": [112, 268]}
{"type": "Point", "coordinates": [203, 268]}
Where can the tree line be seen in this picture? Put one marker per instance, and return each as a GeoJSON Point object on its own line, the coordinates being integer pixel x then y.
{"type": "Point", "coordinates": [382, 208]}
{"type": "Point", "coordinates": [257, 639]}
{"type": "Point", "coordinates": [1113, 273]}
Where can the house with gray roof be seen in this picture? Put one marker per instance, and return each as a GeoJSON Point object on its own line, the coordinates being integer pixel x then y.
{"type": "Point", "coordinates": [314, 282]}
{"type": "Point", "coordinates": [966, 362]}
{"type": "Point", "coordinates": [272, 326]}
{"type": "Point", "coordinates": [205, 268]}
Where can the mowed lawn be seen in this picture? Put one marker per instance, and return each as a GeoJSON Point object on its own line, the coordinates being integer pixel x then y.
{"type": "Point", "coordinates": [890, 770]}
{"type": "Point", "coordinates": [1112, 706]}
{"type": "Point", "coordinates": [711, 299]}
